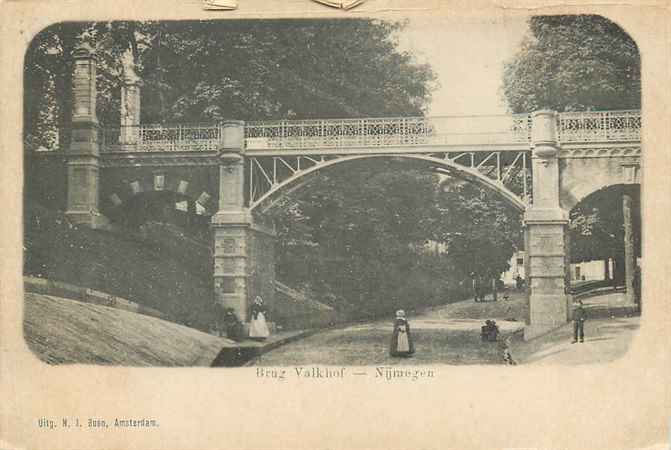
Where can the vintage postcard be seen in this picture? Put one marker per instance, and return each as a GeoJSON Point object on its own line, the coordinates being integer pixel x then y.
{"type": "Point", "coordinates": [289, 226]}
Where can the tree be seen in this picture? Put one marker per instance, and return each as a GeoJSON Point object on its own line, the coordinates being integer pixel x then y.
{"type": "Point", "coordinates": [482, 232]}
{"type": "Point", "coordinates": [573, 63]}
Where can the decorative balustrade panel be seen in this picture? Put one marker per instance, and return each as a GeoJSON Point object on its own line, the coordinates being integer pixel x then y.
{"type": "Point", "coordinates": [158, 138]}
{"type": "Point", "coordinates": [603, 126]}
{"type": "Point", "coordinates": [362, 134]}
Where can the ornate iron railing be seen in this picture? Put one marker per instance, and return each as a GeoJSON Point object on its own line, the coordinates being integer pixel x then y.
{"type": "Point", "coordinates": [601, 126]}
{"type": "Point", "coordinates": [388, 132]}
{"type": "Point", "coordinates": [161, 138]}
{"type": "Point", "coordinates": [583, 127]}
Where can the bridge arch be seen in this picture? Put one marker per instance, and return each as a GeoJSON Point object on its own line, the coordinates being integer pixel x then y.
{"type": "Point", "coordinates": [266, 201]}
{"type": "Point", "coordinates": [584, 176]}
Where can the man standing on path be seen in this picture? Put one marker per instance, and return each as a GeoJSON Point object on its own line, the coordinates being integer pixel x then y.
{"type": "Point", "coordinates": [578, 322]}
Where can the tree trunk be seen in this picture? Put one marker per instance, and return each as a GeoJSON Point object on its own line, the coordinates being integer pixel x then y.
{"type": "Point", "coordinates": [606, 269]}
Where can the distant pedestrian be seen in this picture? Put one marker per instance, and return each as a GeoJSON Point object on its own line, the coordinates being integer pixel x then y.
{"type": "Point", "coordinates": [258, 328]}
{"type": "Point", "coordinates": [578, 322]}
{"type": "Point", "coordinates": [401, 339]}
{"type": "Point", "coordinates": [479, 289]}
{"type": "Point", "coordinates": [519, 282]}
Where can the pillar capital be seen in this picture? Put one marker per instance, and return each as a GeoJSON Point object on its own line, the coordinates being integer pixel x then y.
{"type": "Point", "coordinates": [84, 51]}
{"type": "Point", "coordinates": [544, 133]}
{"type": "Point", "coordinates": [230, 158]}
{"type": "Point", "coordinates": [130, 77]}
{"type": "Point", "coordinates": [232, 137]}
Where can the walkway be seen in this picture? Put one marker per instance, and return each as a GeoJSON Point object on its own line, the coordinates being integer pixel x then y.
{"type": "Point", "coordinates": [448, 334]}
{"type": "Point", "coordinates": [607, 337]}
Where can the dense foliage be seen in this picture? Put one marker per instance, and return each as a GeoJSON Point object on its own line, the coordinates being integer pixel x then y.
{"type": "Point", "coordinates": [573, 63]}
{"type": "Point", "coordinates": [371, 237]}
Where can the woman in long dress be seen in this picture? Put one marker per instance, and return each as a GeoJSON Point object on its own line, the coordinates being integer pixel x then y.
{"type": "Point", "coordinates": [258, 328]}
{"type": "Point", "coordinates": [401, 339]}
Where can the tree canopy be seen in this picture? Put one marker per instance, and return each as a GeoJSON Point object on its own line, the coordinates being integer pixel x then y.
{"type": "Point", "coordinates": [573, 63]}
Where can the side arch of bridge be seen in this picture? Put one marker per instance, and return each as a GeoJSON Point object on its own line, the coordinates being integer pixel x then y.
{"type": "Point", "coordinates": [582, 176]}
{"type": "Point", "coordinates": [446, 166]}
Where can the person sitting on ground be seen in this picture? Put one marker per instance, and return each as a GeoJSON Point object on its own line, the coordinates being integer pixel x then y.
{"type": "Point", "coordinates": [233, 325]}
{"type": "Point", "coordinates": [490, 331]}
{"type": "Point", "coordinates": [484, 330]}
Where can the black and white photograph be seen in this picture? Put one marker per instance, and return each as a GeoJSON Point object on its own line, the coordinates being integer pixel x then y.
{"type": "Point", "coordinates": [332, 192]}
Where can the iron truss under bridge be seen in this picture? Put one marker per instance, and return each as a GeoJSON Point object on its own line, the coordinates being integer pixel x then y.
{"type": "Point", "coordinates": [494, 149]}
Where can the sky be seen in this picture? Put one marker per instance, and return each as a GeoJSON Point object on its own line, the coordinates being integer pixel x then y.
{"type": "Point", "coordinates": [467, 57]}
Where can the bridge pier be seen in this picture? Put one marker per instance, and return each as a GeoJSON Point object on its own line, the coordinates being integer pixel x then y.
{"type": "Point", "coordinates": [83, 155]}
{"type": "Point", "coordinates": [546, 234]}
{"type": "Point", "coordinates": [244, 258]}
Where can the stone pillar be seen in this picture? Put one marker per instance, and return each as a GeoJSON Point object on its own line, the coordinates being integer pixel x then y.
{"type": "Point", "coordinates": [244, 260]}
{"type": "Point", "coordinates": [130, 108]}
{"type": "Point", "coordinates": [545, 228]}
{"type": "Point", "coordinates": [629, 251]}
{"type": "Point", "coordinates": [83, 154]}
{"type": "Point", "coordinates": [231, 224]}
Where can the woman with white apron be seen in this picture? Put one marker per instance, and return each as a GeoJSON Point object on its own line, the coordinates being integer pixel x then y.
{"type": "Point", "coordinates": [258, 328]}
{"type": "Point", "coordinates": [401, 340]}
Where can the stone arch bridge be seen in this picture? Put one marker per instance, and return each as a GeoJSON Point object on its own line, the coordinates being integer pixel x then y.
{"type": "Point", "coordinates": [542, 164]}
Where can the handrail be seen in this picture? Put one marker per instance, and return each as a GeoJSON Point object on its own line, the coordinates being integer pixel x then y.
{"type": "Point", "coordinates": [512, 129]}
